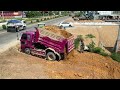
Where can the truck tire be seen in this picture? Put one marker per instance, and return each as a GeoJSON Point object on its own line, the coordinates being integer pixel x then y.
{"type": "Point", "coordinates": [51, 56]}
{"type": "Point", "coordinates": [70, 25]}
{"type": "Point", "coordinates": [27, 51]}
{"type": "Point", "coordinates": [7, 30]}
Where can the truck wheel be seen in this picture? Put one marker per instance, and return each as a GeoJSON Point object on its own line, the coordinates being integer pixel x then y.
{"type": "Point", "coordinates": [51, 56]}
{"type": "Point", "coordinates": [27, 51]}
{"type": "Point", "coordinates": [58, 58]}
{"type": "Point", "coordinates": [70, 25]}
{"type": "Point", "coordinates": [7, 30]}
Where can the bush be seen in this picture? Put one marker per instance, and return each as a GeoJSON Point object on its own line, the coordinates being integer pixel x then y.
{"type": "Point", "coordinates": [45, 19]}
{"type": "Point", "coordinates": [4, 27]}
{"type": "Point", "coordinates": [2, 21]}
{"type": "Point", "coordinates": [91, 46]}
{"type": "Point", "coordinates": [103, 54]}
{"type": "Point", "coordinates": [90, 36]}
{"type": "Point", "coordinates": [77, 40]}
{"type": "Point", "coordinates": [97, 50]}
{"type": "Point", "coordinates": [115, 56]}
{"type": "Point", "coordinates": [37, 20]}
{"type": "Point", "coordinates": [76, 43]}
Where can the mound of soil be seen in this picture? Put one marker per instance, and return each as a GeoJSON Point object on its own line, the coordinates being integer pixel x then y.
{"type": "Point", "coordinates": [57, 30]}
{"type": "Point", "coordinates": [86, 66]}
{"type": "Point", "coordinates": [15, 64]}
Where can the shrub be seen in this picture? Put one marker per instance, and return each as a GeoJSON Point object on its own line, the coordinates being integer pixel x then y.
{"type": "Point", "coordinates": [115, 56]}
{"type": "Point", "coordinates": [37, 20]}
{"type": "Point", "coordinates": [45, 19]}
{"type": "Point", "coordinates": [90, 36]}
{"type": "Point", "coordinates": [4, 27]}
{"type": "Point", "coordinates": [76, 43]}
{"type": "Point", "coordinates": [103, 54]}
{"type": "Point", "coordinates": [2, 21]}
{"type": "Point", "coordinates": [91, 46]}
{"type": "Point", "coordinates": [97, 50]}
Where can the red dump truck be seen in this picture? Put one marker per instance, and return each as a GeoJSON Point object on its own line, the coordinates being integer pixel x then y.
{"type": "Point", "coordinates": [47, 44]}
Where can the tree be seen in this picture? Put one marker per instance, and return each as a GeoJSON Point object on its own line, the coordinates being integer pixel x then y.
{"type": "Point", "coordinates": [31, 14]}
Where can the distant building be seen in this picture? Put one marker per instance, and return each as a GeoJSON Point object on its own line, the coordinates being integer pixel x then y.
{"type": "Point", "coordinates": [106, 15]}
{"type": "Point", "coordinates": [12, 14]}
{"type": "Point", "coordinates": [105, 12]}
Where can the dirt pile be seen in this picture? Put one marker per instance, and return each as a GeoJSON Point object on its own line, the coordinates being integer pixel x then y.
{"type": "Point", "coordinates": [86, 65]}
{"type": "Point", "coordinates": [15, 64]}
{"type": "Point", "coordinates": [57, 30]}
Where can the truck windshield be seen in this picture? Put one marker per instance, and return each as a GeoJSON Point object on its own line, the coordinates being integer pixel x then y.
{"type": "Point", "coordinates": [24, 36]}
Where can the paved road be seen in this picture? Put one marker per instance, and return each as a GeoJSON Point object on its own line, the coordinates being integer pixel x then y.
{"type": "Point", "coordinates": [8, 37]}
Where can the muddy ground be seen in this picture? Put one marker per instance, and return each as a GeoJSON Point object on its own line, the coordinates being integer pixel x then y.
{"type": "Point", "coordinates": [17, 65]}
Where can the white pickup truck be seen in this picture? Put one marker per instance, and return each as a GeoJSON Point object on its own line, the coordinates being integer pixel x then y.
{"type": "Point", "coordinates": [15, 25]}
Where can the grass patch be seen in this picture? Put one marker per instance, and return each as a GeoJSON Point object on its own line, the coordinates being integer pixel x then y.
{"type": "Point", "coordinates": [100, 51]}
{"type": "Point", "coordinates": [115, 56]}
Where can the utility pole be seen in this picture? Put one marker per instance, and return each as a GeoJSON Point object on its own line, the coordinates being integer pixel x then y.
{"type": "Point", "coordinates": [117, 45]}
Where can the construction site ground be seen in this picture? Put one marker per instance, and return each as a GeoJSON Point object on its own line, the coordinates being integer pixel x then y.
{"type": "Point", "coordinates": [17, 65]}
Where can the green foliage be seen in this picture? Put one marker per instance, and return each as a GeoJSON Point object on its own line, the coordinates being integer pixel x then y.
{"type": "Point", "coordinates": [91, 46]}
{"type": "Point", "coordinates": [4, 27]}
{"type": "Point", "coordinates": [76, 43]}
{"type": "Point", "coordinates": [18, 18]}
{"type": "Point", "coordinates": [115, 56]}
{"type": "Point", "coordinates": [65, 13]}
{"type": "Point", "coordinates": [80, 36]}
{"type": "Point", "coordinates": [80, 13]}
{"type": "Point", "coordinates": [50, 13]}
{"type": "Point", "coordinates": [37, 20]}
{"type": "Point", "coordinates": [31, 14]}
{"type": "Point", "coordinates": [77, 40]}
{"type": "Point", "coordinates": [103, 54]}
{"type": "Point", "coordinates": [90, 36]}
{"type": "Point", "coordinates": [99, 51]}
{"type": "Point", "coordinates": [1, 21]}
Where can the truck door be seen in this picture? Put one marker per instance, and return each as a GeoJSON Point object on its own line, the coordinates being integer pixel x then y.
{"type": "Point", "coordinates": [26, 40]}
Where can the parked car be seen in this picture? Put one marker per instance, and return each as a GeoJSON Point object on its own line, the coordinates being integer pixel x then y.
{"type": "Point", "coordinates": [16, 25]}
{"type": "Point", "coordinates": [65, 24]}
{"type": "Point", "coordinates": [40, 25]}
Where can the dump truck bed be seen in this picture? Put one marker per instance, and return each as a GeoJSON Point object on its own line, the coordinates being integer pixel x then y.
{"type": "Point", "coordinates": [54, 36]}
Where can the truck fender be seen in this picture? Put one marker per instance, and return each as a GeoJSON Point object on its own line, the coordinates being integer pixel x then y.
{"type": "Point", "coordinates": [54, 52]}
